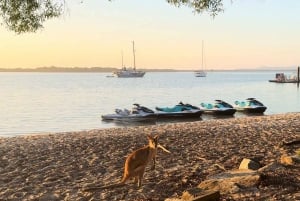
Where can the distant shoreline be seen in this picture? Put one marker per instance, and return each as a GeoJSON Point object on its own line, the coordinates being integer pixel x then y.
{"type": "Point", "coordinates": [109, 70]}
{"type": "Point", "coordinates": [79, 70]}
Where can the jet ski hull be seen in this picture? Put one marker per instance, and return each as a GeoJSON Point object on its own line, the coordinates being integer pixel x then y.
{"type": "Point", "coordinates": [251, 109]}
{"type": "Point", "coordinates": [251, 105]}
{"type": "Point", "coordinates": [229, 111]}
{"type": "Point", "coordinates": [182, 114]}
{"type": "Point", "coordinates": [130, 117]}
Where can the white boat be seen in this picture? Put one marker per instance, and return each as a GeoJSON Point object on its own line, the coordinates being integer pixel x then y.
{"type": "Point", "coordinates": [202, 72]}
{"type": "Point", "coordinates": [131, 72]}
{"type": "Point", "coordinates": [126, 73]}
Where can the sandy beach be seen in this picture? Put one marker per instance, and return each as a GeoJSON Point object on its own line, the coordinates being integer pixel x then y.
{"type": "Point", "coordinates": [59, 166]}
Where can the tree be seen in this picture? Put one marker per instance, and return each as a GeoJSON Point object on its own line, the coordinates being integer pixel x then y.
{"type": "Point", "coordinates": [21, 16]}
{"type": "Point", "coordinates": [200, 6]}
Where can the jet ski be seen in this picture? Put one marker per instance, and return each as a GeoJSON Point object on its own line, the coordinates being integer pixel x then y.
{"type": "Point", "coordinates": [250, 105]}
{"type": "Point", "coordinates": [219, 107]}
{"type": "Point", "coordinates": [138, 113]}
{"type": "Point", "coordinates": [178, 111]}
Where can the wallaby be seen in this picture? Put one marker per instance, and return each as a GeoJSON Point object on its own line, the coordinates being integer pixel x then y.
{"type": "Point", "coordinates": [136, 163]}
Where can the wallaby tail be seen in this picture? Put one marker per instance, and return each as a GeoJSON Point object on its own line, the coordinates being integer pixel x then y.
{"type": "Point", "coordinates": [92, 188]}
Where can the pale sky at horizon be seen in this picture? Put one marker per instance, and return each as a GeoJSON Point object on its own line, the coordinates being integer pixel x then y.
{"type": "Point", "coordinates": [248, 34]}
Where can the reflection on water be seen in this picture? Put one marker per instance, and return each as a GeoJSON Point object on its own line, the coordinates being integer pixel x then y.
{"type": "Point", "coordinates": [122, 123]}
{"type": "Point", "coordinates": [177, 120]}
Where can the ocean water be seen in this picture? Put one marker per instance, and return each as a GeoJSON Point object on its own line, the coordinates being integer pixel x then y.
{"type": "Point", "coordinates": [32, 103]}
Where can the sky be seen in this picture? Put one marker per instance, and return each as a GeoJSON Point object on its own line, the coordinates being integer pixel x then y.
{"type": "Point", "coordinates": [94, 33]}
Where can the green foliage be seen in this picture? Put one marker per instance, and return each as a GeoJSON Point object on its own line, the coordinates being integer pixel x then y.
{"type": "Point", "coordinates": [28, 15]}
{"type": "Point", "coordinates": [22, 16]}
{"type": "Point", "coordinates": [200, 6]}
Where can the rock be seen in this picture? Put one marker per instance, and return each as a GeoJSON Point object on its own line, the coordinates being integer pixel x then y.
{"type": "Point", "coordinates": [248, 164]}
{"type": "Point", "coordinates": [232, 181]}
{"type": "Point", "coordinates": [197, 194]}
{"type": "Point", "coordinates": [296, 159]}
{"type": "Point", "coordinates": [49, 196]}
{"type": "Point", "coordinates": [297, 196]}
{"type": "Point", "coordinates": [271, 167]}
{"type": "Point", "coordinates": [173, 199]}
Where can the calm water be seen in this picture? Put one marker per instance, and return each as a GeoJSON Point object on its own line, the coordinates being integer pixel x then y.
{"type": "Point", "coordinates": [50, 102]}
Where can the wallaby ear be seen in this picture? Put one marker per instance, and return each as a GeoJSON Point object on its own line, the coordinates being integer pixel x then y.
{"type": "Point", "coordinates": [149, 137]}
{"type": "Point", "coordinates": [156, 136]}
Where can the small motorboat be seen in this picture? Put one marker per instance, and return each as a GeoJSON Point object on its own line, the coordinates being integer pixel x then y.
{"type": "Point", "coordinates": [219, 107]}
{"type": "Point", "coordinates": [282, 78]}
{"type": "Point", "coordinates": [138, 113]}
{"type": "Point", "coordinates": [178, 111]}
{"type": "Point", "coordinates": [250, 105]}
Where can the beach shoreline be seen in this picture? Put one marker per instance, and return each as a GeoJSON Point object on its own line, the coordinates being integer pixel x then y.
{"type": "Point", "coordinates": [58, 166]}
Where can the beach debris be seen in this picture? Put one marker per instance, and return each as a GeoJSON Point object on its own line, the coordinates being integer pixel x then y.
{"type": "Point", "coordinates": [197, 194]}
{"type": "Point", "coordinates": [219, 166]}
{"type": "Point", "coordinates": [231, 181]}
{"type": "Point", "coordinates": [289, 160]}
{"type": "Point", "coordinates": [271, 167]}
{"type": "Point", "coordinates": [164, 149]}
{"type": "Point", "coordinates": [248, 164]}
{"type": "Point", "coordinates": [292, 142]}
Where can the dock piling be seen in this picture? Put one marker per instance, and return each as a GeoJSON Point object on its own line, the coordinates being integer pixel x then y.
{"type": "Point", "coordinates": [298, 78]}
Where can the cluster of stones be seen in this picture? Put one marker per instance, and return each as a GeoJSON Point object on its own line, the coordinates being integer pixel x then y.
{"type": "Point", "coordinates": [241, 183]}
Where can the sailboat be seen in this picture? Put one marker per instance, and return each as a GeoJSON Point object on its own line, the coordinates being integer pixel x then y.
{"type": "Point", "coordinates": [201, 73]}
{"type": "Point", "coordinates": [124, 72]}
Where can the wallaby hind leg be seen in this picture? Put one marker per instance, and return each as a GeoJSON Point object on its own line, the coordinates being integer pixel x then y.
{"type": "Point", "coordinates": [125, 178]}
{"type": "Point", "coordinates": [153, 165]}
{"type": "Point", "coordinates": [141, 174]}
{"type": "Point", "coordinates": [136, 179]}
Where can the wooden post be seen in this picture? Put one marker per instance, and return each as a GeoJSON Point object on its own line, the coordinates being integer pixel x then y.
{"type": "Point", "coordinates": [298, 76]}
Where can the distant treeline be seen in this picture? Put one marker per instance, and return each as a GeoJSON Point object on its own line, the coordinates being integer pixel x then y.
{"type": "Point", "coordinates": [76, 69]}
{"type": "Point", "coordinates": [58, 69]}
{"type": "Point", "coordinates": [110, 69]}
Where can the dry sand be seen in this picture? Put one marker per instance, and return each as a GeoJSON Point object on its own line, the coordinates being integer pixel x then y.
{"type": "Point", "coordinates": [58, 166]}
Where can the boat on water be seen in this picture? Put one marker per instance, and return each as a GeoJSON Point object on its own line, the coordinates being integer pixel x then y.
{"type": "Point", "coordinates": [180, 110]}
{"type": "Point", "coordinates": [250, 105]}
{"type": "Point", "coordinates": [282, 78]}
{"type": "Point", "coordinates": [129, 72]}
{"type": "Point", "coordinates": [202, 72]}
{"type": "Point", "coordinates": [219, 107]}
{"type": "Point", "coordinates": [138, 113]}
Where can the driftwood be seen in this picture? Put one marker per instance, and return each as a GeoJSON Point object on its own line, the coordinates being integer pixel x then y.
{"type": "Point", "coordinates": [293, 142]}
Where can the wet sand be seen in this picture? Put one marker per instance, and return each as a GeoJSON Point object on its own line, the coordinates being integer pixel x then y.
{"type": "Point", "coordinates": [58, 166]}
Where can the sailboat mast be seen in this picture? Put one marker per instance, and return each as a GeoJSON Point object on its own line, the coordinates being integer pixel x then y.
{"type": "Point", "coordinates": [202, 54]}
{"type": "Point", "coordinates": [122, 59]}
{"type": "Point", "coordinates": [133, 55]}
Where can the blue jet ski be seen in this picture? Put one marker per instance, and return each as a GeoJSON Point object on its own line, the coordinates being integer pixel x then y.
{"type": "Point", "coordinates": [219, 107]}
{"type": "Point", "coordinates": [180, 110]}
{"type": "Point", "coordinates": [250, 105]}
